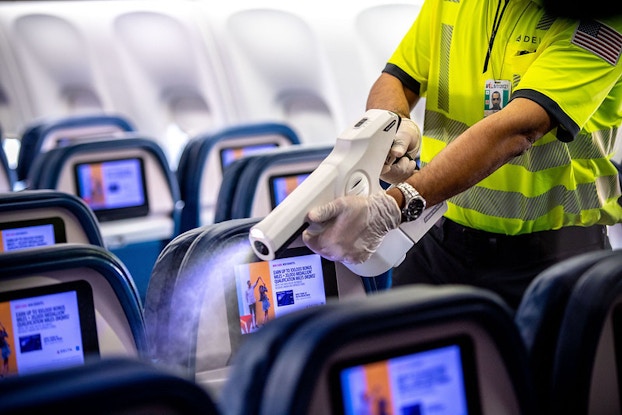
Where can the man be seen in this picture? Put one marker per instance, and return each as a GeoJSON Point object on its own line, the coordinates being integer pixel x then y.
{"type": "Point", "coordinates": [528, 185]}
{"type": "Point", "coordinates": [495, 101]}
{"type": "Point", "coordinates": [252, 301]}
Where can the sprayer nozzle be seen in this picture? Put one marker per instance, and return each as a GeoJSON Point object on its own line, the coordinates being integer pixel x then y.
{"type": "Point", "coordinates": [261, 248]}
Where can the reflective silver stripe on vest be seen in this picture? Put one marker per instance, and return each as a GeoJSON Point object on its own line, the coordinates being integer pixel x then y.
{"type": "Point", "coordinates": [516, 205]}
{"type": "Point", "coordinates": [443, 78]}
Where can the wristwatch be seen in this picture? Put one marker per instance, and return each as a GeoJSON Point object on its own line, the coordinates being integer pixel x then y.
{"type": "Point", "coordinates": [414, 203]}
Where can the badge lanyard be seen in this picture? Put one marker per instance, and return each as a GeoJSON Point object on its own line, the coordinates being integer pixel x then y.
{"type": "Point", "coordinates": [495, 27]}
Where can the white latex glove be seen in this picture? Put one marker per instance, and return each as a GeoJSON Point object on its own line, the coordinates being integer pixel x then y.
{"type": "Point", "coordinates": [405, 149]}
{"type": "Point", "coordinates": [350, 228]}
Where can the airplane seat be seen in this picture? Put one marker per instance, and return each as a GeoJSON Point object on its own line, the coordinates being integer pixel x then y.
{"type": "Point", "coordinates": [291, 80]}
{"type": "Point", "coordinates": [169, 57]}
{"type": "Point", "coordinates": [197, 314]}
{"type": "Point", "coordinates": [227, 189]}
{"type": "Point", "coordinates": [45, 217]}
{"type": "Point", "coordinates": [49, 65]}
{"type": "Point", "coordinates": [415, 349]}
{"type": "Point", "coordinates": [200, 168]}
{"type": "Point", "coordinates": [50, 132]}
{"type": "Point", "coordinates": [70, 302]}
{"type": "Point", "coordinates": [160, 288]}
{"type": "Point", "coordinates": [131, 189]}
{"type": "Point", "coordinates": [586, 375]}
{"type": "Point", "coordinates": [109, 386]}
{"type": "Point", "coordinates": [241, 397]}
{"type": "Point", "coordinates": [541, 311]}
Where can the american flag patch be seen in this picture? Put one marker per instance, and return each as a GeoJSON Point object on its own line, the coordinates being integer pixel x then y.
{"type": "Point", "coordinates": [599, 39]}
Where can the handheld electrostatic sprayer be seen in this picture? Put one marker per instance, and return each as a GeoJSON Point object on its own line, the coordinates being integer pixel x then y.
{"type": "Point", "coordinates": [352, 168]}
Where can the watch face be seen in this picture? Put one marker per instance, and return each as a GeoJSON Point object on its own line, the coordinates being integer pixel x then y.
{"type": "Point", "coordinates": [414, 202]}
{"type": "Point", "coordinates": [414, 208]}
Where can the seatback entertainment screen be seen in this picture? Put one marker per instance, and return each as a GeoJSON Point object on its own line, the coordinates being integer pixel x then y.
{"type": "Point", "coordinates": [230, 154]}
{"type": "Point", "coordinates": [282, 185]}
{"type": "Point", "coordinates": [113, 189]}
{"type": "Point", "coordinates": [438, 377]}
{"type": "Point", "coordinates": [47, 327]}
{"type": "Point", "coordinates": [31, 233]}
{"type": "Point", "coordinates": [269, 289]}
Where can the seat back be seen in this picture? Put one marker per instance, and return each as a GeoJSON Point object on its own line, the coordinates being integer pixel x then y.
{"type": "Point", "coordinates": [49, 67]}
{"type": "Point", "coordinates": [541, 311]}
{"type": "Point", "coordinates": [111, 320]}
{"type": "Point", "coordinates": [173, 69]}
{"type": "Point", "coordinates": [196, 311]}
{"type": "Point", "coordinates": [109, 386]}
{"type": "Point", "coordinates": [252, 187]}
{"type": "Point", "coordinates": [291, 80]}
{"type": "Point", "coordinates": [588, 361]}
{"type": "Point", "coordinates": [48, 216]}
{"type": "Point", "coordinates": [46, 133]}
{"type": "Point", "coordinates": [129, 185]}
{"type": "Point", "coordinates": [201, 165]}
{"type": "Point", "coordinates": [155, 62]}
{"type": "Point", "coordinates": [406, 350]}
{"type": "Point", "coordinates": [241, 397]}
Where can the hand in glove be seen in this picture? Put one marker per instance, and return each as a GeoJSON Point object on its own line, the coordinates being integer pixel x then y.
{"type": "Point", "coordinates": [350, 228]}
{"type": "Point", "coordinates": [404, 149]}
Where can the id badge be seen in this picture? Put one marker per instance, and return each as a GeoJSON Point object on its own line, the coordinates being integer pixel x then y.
{"type": "Point", "coordinates": [496, 95]}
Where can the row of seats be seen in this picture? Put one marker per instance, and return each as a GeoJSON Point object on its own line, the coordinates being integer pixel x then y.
{"type": "Point", "coordinates": [239, 172]}
{"type": "Point", "coordinates": [178, 69]}
{"type": "Point", "coordinates": [137, 229]}
{"type": "Point", "coordinates": [412, 348]}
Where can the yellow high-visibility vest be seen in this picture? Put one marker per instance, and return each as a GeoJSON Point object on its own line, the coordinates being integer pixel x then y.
{"type": "Point", "coordinates": [571, 68]}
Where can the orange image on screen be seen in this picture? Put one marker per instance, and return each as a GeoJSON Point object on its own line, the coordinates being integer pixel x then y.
{"type": "Point", "coordinates": [8, 363]}
{"type": "Point", "coordinates": [378, 392]}
{"type": "Point", "coordinates": [97, 196]}
{"type": "Point", "coordinates": [264, 306]}
{"type": "Point", "coordinates": [290, 184]}
{"type": "Point", "coordinates": [238, 153]}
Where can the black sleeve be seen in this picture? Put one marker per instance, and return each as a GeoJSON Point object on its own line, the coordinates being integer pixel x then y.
{"type": "Point", "coordinates": [408, 81]}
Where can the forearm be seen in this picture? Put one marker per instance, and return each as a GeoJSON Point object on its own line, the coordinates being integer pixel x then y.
{"type": "Point", "coordinates": [479, 151]}
{"type": "Point", "coordinates": [388, 93]}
